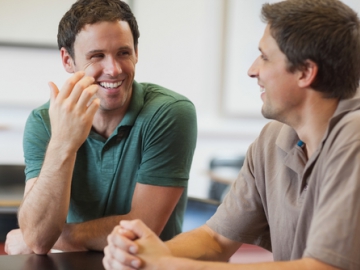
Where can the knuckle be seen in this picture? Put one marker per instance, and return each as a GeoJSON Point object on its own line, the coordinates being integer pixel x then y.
{"type": "Point", "coordinates": [137, 221]}
{"type": "Point", "coordinates": [67, 107]}
{"type": "Point", "coordinates": [116, 228]}
{"type": "Point", "coordinates": [70, 82]}
{"type": "Point", "coordinates": [87, 93]}
{"type": "Point", "coordinates": [84, 83]}
{"type": "Point", "coordinates": [108, 238]}
{"type": "Point", "coordinates": [84, 120]}
{"type": "Point", "coordinates": [120, 256]}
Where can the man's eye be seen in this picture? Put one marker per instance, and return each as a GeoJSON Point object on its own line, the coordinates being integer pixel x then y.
{"type": "Point", "coordinates": [97, 56]}
{"type": "Point", "coordinates": [263, 57]}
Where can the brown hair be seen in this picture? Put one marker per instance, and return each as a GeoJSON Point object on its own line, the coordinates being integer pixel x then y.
{"type": "Point", "coordinates": [84, 12]}
{"type": "Point", "coordinates": [326, 32]}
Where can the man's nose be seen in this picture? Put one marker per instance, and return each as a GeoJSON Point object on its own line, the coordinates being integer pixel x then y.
{"type": "Point", "coordinates": [253, 71]}
{"type": "Point", "coordinates": [112, 67]}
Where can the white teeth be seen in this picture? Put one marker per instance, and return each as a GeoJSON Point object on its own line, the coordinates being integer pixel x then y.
{"type": "Point", "coordinates": [111, 85]}
{"type": "Point", "coordinates": [262, 89]}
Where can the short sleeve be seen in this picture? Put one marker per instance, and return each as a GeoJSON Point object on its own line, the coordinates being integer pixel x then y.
{"type": "Point", "coordinates": [241, 215]}
{"type": "Point", "coordinates": [169, 145]}
{"type": "Point", "coordinates": [35, 141]}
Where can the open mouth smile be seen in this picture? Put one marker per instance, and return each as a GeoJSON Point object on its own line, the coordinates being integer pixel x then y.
{"type": "Point", "coordinates": [110, 85]}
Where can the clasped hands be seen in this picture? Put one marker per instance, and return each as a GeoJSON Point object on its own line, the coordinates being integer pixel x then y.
{"type": "Point", "coordinates": [132, 245]}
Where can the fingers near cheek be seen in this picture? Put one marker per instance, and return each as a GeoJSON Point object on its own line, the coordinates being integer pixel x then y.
{"type": "Point", "coordinates": [84, 85]}
{"type": "Point", "coordinates": [87, 96]}
{"type": "Point", "coordinates": [93, 107]}
{"type": "Point", "coordinates": [70, 84]}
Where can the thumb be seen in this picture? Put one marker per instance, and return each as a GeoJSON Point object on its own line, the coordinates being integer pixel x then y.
{"type": "Point", "coordinates": [54, 91]}
{"type": "Point", "coordinates": [137, 227]}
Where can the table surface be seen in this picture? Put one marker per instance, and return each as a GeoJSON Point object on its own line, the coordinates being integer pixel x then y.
{"type": "Point", "coordinates": [89, 260]}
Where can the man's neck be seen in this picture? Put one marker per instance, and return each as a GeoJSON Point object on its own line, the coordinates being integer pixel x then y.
{"type": "Point", "coordinates": [105, 122]}
{"type": "Point", "coordinates": [314, 122]}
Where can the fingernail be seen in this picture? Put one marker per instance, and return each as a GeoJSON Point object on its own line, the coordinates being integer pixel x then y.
{"type": "Point", "coordinates": [135, 263]}
{"type": "Point", "coordinates": [121, 231]}
{"type": "Point", "coordinates": [132, 249]}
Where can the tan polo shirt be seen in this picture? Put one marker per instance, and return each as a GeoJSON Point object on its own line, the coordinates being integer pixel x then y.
{"type": "Point", "coordinates": [296, 207]}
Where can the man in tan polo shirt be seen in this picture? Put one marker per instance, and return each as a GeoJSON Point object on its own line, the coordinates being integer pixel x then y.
{"type": "Point", "coordinates": [297, 194]}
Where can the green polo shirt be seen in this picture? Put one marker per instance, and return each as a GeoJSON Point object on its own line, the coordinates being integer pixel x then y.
{"type": "Point", "coordinates": [154, 144]}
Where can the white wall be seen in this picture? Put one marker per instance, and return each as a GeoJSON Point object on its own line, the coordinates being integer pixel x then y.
{"type": "Point", "coordinates": [180, 48]}
{"type": "Point", "coordinates": [31, 21]}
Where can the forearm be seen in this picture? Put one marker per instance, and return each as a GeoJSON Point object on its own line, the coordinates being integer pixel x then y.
{"type": "Point", "coordinates": [90, 235]}
{"type": "Point", "coordinates": [43, 211]}
{"type": "Point", "coordinates": [303, 264]}
{"type": "Point", "coordinates": [201, 244]}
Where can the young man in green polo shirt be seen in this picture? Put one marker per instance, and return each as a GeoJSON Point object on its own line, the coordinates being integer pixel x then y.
{"type": "Point", "coordinates": [104, 148]}
{"type": "Point", "coordinates": [297, 193]}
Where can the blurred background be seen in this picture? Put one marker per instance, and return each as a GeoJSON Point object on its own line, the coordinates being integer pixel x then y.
{"type": "Point", "coordinates": [200, 48]}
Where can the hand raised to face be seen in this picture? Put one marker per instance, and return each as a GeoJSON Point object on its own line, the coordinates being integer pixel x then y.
{"type": "Point", "coordinates": [72, 110]}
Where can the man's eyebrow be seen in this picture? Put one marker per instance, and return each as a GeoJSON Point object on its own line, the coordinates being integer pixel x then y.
{"type": "Point", "coordinates": [94, 52]}
{"type": "Point", "coordinates": [124, 47]}
{"type": "Point", "coordinates": [102, 51]}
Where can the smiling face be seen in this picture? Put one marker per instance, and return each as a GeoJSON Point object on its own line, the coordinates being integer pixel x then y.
{"type": "Point", "coordinates": [279, 89]}
{"type": "Point", "coordinates": [106, 52]}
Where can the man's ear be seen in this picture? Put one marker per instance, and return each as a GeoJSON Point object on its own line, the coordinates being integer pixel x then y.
{"type": "Point", "coordinates": [308, 74]}
{"type": "Point", "coordinates": [67, 60]}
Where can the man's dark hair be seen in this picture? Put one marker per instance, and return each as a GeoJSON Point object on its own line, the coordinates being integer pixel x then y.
{"type": "Point", "coordinates": [84, 12]}
{"type": "Point", "coordinates": [326, 32]}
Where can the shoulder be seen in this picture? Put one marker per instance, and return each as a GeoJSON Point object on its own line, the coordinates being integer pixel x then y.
{"type": "Point", "coordinates": [272, 131]}
{"type": "Point", "coordinates": [274, 139]}
{"type": "Point", "coordinates": [346, 119]}
{"type": "Point", "coordinates": [41, 110]}
{"type": "Point", "coordinates": [158, 99]}
{"type": "Point", "coordinates": [39, 115]}
{"type": "Point", "coordinates": [157, 92]}
{"type": "Point", "coordinates": [346, 130]}
{"type": "Point", "coordinates": [272, 128]}
{"type": "Point", "coordinates": [351, 118]}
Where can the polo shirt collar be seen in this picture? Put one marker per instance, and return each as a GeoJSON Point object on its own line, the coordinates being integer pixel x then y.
{"type": "Point", "coordinates": [136, 104]}
{"type": "Point", "coordinates": [287, 139]}
{"type": "Point", "coordinates": [345, 106]}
